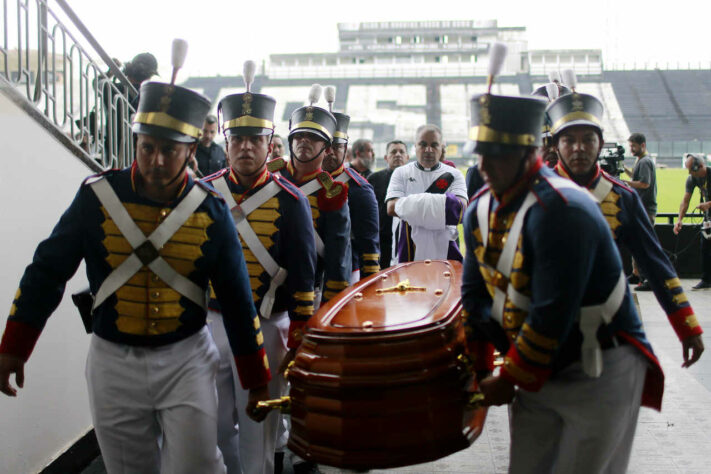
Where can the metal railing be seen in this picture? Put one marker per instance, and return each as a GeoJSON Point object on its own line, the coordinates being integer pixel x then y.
{"type": "Point", "coordinates": [348, 71]}
{"type": "Point", "coordinates": [79, 95]}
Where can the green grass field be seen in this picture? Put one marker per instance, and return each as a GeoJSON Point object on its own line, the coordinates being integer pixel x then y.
{"type": "Point", "coordinates": [670, 188]}
{"type": "Point", "coordinates": [670, 191]}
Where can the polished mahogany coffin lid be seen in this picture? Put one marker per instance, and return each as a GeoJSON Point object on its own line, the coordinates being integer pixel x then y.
{"type": "Point", "coordinates": [413, 295]}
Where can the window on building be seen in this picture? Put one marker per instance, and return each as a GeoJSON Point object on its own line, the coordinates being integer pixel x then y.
{"type": "Point", "coordinates": [398, 40]}
{"type": "Point", "coordinates": [445, 39]}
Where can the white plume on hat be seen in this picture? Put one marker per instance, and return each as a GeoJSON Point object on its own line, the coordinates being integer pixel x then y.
{"type": "Point", "coordinates": [329, 93]}
{"type": "Point", "coordinates": [554, 76]}
{"type": "Point", "coordinates": [497, 54]}
{"type": "Point", "coordinates": [315, 93]}
{"type": "Point", "coordinates": [248, 72]}
{"type": "Point", "coordinates": [570, 79]}
{"type": "Point", "coordinates": [552, 91]}
{"type": "Point", "coordinates": [179, 51]}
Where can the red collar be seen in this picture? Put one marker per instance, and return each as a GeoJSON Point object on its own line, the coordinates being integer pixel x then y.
{"type": "Point", "coordinates": [519, 186]}
{"type": "Point", "coordinates": [134, 171]}
{"type": "Point", "coordinates": [308, 177]}
{"type": "Point", "coordinates": [562, 171]}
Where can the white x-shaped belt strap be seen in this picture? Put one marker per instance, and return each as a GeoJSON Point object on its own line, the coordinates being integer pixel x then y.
{"type": "Point", "coordinates": [311, 187]}
{"type": "Point", "coordinates": [601, 189]}
{"type": "Point", "coordinates": [146, 250]}
{"type": "Point", "coordinates": [240, 213]}
{"type": "Point", "coordinates": [591, 317]}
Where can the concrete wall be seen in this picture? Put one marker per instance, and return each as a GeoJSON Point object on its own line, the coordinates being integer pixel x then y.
{"type": "Point", "coordinates": [38, 180]}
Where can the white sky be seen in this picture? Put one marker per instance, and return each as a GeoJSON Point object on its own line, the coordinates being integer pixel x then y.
{"type": "Point", "coordinates": [222, 34]}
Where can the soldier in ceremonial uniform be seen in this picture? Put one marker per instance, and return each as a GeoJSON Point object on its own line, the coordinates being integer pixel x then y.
{"type": "Point", "coordinates": [273, 220]}
{"type": "Point", "coordinates": [543, 282]}
{"type": "Point", "coordinates": [311, 132]}
{"type": "Point", "coordinates": [363, 207]}
{"type": "Point", "coordinates": [577, 139]}
{"type": "Point", "coordinates": [151, 238]}
{"type": "Point", "coordinates": [427, 201]}
{"type": "Point", "coordinates": [550, 92]}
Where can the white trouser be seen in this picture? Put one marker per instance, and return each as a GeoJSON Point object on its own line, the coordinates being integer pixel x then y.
{"type": "Point", "coordinates": [257, 441]}
{"type": "Point", "coordinates": [140, 395]}
{"type": "Point", "coordinates": [355, 277]}
{"type": "Point", "coordinates": [580, 424]}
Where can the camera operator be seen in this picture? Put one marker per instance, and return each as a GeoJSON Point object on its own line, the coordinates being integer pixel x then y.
{"type": "Point", "coordinates": [701, 178]}
{"type": "Point", "coordinates": [644, 174]}
{"type": "Point", "coordinates": [644, 181]}
{"type": "Point", "coordinates": [577, 137]}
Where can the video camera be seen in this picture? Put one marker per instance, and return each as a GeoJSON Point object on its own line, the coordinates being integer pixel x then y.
{"type": "Point", "coordinates": [611, 158]}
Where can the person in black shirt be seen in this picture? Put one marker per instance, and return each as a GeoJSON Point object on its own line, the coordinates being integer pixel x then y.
{"type": "Point", "coordinates": [474, 180]}
{"type": "Point", "coordinates": [363, 157]}
{"type": "Point", "coordinates": [395, 156]}
{"type": "Point", "coordinates": [644, 181]}
{"type": "Point", "coordinates": [699, 177]}
{"type": "Point", "coordinates": [209, 155]}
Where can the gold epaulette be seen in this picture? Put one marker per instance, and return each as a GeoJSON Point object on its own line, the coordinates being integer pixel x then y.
{"type": "Point", "coordinates": [327, 183]}
{"type": "Point", "coordinates": [277, 164]}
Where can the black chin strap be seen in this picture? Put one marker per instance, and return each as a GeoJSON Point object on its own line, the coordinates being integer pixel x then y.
{"type": "Point", "coordinates": [182, 170]}
{"type": "Point", "coordinates": [581, 180]}
{"type": "Point", "coordinates": [521, 165]}
{"type": "Point", "coordinates": [310, 159]}
{"type": "Point", "coordinates": [345, 152]}
{"type": "Point", "coordinates": [266, 157]}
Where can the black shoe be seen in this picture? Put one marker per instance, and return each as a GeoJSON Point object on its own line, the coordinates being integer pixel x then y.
{"type": "Point", "coordinates": [644, 286]}
{"type": "Point", "coordinates": [633, 279]}
{"type": "Point", "coordinates": [279, 462]}
{"type": "Point", "coordinates": [702, 285]}
{"type": "Point", "coordinates": [306, 467]}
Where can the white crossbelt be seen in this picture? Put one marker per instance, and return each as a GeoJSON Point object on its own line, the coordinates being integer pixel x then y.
{"type": "Point", "coordinates": [591, 317]}
{"type": "Point", "coordinates": [505, 263]}
{"type": "Point", "coordinates": [240, 213]}
{"type": "Point", "coordinates": [311, 187]}
{"type": "Point", "coordinates": [137, 239]}
{"type": "Point", "coordinates": [601, 189]}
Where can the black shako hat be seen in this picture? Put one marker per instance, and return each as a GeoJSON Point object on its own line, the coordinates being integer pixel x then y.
{"type": "Point", "coordinates": [575, 109]}
{"type": "Point", "coordinates": [342, 122]}
{"type": "Point", "coordinates": [543, 92]}
{"type": "Point", "coordinates": [248, 114]}
{"type": "Point", "coordinates": [314, 120]}
{"type": "Point", "coordinates": [500, 124]}
{"type": "Point", "coordinates": [171, 112]}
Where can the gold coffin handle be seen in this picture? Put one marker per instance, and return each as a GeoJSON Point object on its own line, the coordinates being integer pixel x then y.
{"type": "Point", "coordinates": [289, 366]}
{"type": "Point", "coordinates": [475, 400]}
{"type": "Point", "coordinates": [283, 404]}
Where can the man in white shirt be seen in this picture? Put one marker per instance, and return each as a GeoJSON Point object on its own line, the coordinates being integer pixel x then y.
{"type": "Point", "coordinates": [427, 201]}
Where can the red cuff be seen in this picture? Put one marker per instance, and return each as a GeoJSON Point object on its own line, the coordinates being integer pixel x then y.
{"type": "Point", "coordinates": [521, 373]}
{"type": "Point", "coordinates": [253, 369]}
{"type": "Point", "coordinates": [482, 354]}
{"type": "Point", "coordinates": [19, 339]}
{"type": "Point", "coordinates": [685, 323]}
{"type": "Point", "coordinates": [296, 334]}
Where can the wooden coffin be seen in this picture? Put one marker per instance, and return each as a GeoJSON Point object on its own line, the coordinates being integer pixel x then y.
{"type": "Point", "coordinates": [377, 382]}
